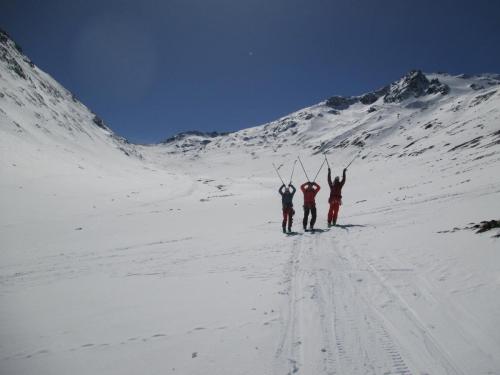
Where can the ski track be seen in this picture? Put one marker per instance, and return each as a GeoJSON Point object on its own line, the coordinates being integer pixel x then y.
{"type": "Point", "coordinates": [335, 322]}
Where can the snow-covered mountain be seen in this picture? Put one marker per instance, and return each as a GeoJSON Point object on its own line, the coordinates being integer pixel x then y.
{"type": "Point", "coordinates": [408, 117]}
{"type": "Point", "coordinates": [119, 258]}
{"type": "Point", "coordinates": [38, 112]}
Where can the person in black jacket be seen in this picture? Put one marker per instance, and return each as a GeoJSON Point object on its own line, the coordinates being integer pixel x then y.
{"type": "Point", "coordinates": [335, 199]}
{"type": "Point", "coordinates": [287, 193]}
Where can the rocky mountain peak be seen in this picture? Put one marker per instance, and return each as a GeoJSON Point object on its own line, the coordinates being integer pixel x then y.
{"type": "Point", "coordinates": [414, 84]}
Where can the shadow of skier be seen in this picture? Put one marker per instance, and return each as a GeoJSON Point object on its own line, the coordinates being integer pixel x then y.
{"type": "Point", "coordinates": [347, 226]}
{"type": "Point", "coordinates": [316, 230]}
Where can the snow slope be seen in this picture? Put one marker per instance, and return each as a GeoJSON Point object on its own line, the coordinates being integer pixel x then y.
{"type": "Point", "coordinates": [169, 258]}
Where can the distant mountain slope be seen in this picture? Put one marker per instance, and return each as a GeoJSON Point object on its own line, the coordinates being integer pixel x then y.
{"type": "Point", "coordinates": [37, 113]}
{"type": "Point", "coordinates": [415, 114]}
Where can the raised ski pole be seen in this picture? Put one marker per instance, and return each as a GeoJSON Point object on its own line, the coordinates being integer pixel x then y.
{"type": "Point", "coordinates": [276, 169]}
{"type": "Point", "coordinates": [300, 161]}
{"type": "Point", "coordinates": [293, 169]}
{"type": "Point", "coordinates": [359, 153]}
{"type": "Point", "coordinates": [319, 170]}
{"type": "Point", "coordinates": [352, 161]}
{"type": "Point", "coordinates": [327, 163]}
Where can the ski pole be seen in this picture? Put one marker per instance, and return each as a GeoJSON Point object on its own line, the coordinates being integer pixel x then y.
{"type": "Point", "coordinates": [352, 161]}
{"type": "Point", "coordinates": [359, 153]}
{"type": "Point", "coordinates": [293, 169]}
{"type": "Point", "coordinates": [300, 161]}
{"type": "Point", "coordinates": [276, 169]}
{"type": "Point", "coordinates": [319, 170]}
{"type": "Point", "coordinates": [328, 164]}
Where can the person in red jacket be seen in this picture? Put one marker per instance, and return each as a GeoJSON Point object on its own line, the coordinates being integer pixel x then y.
{"type": "Point", "coordinates": [310, 189]}
{"type": "Point", "coordinates": [335, 199]}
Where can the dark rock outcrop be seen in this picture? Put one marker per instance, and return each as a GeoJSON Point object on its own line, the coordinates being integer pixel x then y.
{"type": "Point", "coordinates": [340, 102]}
{"type": "Point", "coordinates": [413, 85]}
{"type": "Point", "coordinates": [184, 135]}
{"type": "Point", "coordinates": [99, 122]}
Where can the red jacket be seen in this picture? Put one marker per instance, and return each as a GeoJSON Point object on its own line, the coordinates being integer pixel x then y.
{"type": "Point", "coordinates": [310, 194]}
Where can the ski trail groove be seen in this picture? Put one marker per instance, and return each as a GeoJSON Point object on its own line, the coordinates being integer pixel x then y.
{"type": "Point", "coordinates": [332, 322]}
{"type": "Point", "coordinates": [363, 345]}
{"type": "Point", "coordinates": [439, 354]}
{"type": "Point", "coordinates": [429, 347]}
{"type": "Point", "coordinates": [286, 351]}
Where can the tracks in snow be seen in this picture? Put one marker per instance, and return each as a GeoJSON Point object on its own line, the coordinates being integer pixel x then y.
{"type": "Point", "coordinates": [342, 318]}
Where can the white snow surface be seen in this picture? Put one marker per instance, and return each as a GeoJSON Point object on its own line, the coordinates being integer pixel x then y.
{"type": "Point", "coordinates": [169, 258]}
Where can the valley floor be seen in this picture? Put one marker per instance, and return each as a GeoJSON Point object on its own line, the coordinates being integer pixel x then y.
{"type": "Point", "coordinates": [188, 272]}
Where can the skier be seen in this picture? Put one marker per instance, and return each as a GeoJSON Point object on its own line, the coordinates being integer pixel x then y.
{"type": "Point", "coordinates": [310, 189]}
{"type": "Point", "coordinates": [287, 193]}
{"type": "Point", "coordinates": [335, 199]}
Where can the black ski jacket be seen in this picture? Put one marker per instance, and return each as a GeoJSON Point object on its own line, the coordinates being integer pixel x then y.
{"type": "Point", "coordinates": [287, 198]}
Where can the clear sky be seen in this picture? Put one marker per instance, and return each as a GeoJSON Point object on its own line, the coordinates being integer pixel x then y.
{"type": "Point", "coordinates": [151, 69]}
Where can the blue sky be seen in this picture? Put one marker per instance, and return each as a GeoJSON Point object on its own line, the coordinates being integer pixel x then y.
{"type": "Point", "coordinates": [151, 69]}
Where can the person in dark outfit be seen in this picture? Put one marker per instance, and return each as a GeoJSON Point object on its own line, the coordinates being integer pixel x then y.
{"type": "Point", "coordinates": [287, 194]}
{"type": "Point", "coordinates": [335, 199]}
{"type": "Point", "coordinates": [310, 189]}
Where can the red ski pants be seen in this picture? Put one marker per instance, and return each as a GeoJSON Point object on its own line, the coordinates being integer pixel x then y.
{"type": "Point", "coordinates": [333, 212]}
{"type": "Point", "coordinates": [288, 213]}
